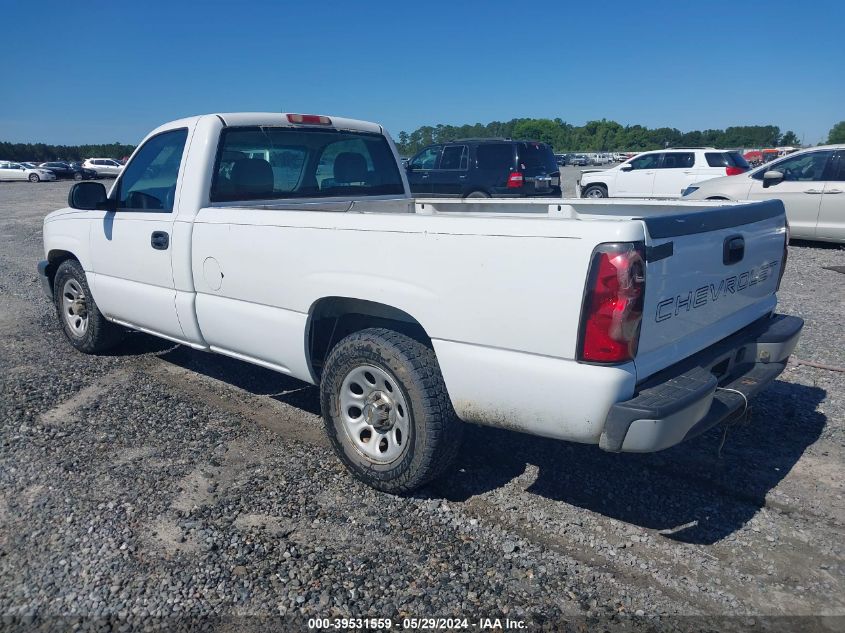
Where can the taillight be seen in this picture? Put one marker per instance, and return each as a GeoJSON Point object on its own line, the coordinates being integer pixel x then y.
{"type": "Point", "coordinates": [311, 119]}
{"type": "Point", "coordinates": [734, 171]}
{"type": "Point", "coordinates": [613, 304]}
{"type": "Point", "coordinates": [785, 252]}
{"type": "Point", "coordinates": [515, 180]}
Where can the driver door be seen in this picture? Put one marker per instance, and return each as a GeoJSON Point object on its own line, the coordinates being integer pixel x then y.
{"type": "Point", "coordinates": [801, 190]}
{"type": "Point", "coordinates": [420, 168]}
{"type": "Point", "coordinates": [130, 247]}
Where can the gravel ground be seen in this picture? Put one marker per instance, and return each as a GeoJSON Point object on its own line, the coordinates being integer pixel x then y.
{"type": "Point", "coordinates": [161, 487]}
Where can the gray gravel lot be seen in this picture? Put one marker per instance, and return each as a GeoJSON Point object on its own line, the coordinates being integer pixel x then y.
{"type": "Point", "coordinates": [161, 484]}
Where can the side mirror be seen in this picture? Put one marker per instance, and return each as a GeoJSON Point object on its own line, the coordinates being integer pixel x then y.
{"type": "Point", "coordinates": [88, 196]}
{"type": "Point", "coordinates": [626, 167]}
{"type": "Point", "coordinates": [771, 178]}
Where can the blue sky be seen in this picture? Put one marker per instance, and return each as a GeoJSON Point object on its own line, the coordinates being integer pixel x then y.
{"type": "Point", "coordinates": [95, 71]}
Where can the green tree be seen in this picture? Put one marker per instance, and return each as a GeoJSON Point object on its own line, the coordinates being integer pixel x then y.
{"type": "Point", "coordinates": [790, 138]}
{"type": "Point", "coordinates": [837, 133]}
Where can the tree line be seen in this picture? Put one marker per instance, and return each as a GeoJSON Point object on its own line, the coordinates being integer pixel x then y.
{"type": "Point", "coordinates": [41, 152]}
{"type": "Point", "coordinates": [595, 136]}
{"type": "Point", "coordinates": [598, 136]}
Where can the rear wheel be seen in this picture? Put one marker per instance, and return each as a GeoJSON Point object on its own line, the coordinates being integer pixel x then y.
{"type": "Point", "coordinates": [77, 175]}
{"type": "Point", "coordinates": [34, 178]}
{"type": "Point", "coordinates": [594, 191]}
{"type": "Point", "coordinates": [478, 194]}
{"type": "Point", "coordinates": [83, 324]}
{"type": "Point", "coordinates": [387, 412]}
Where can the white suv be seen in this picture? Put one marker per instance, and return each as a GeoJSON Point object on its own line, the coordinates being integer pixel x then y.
{"type": "Point", "coordinates": [104, 166]}
{"type": "Point", "coordinates": [660, 174]}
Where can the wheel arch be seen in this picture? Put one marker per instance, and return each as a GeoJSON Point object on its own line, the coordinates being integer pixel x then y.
{"type": "Point", "coordinates": [332, 318]}
{"type": "Point", "coordinates": [596, 183]}
{"type": "Point", "coordinates": [55, 258]}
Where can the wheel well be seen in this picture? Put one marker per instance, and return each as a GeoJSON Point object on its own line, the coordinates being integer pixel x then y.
{"type": "Point", "coordinates": [718, 198]}
{"type": "Point", "coordinates": [594, 184]}
{"type": "Point", "coordinates": [56, 257]}
{"type": "Point", "coordinates": [333, 318]}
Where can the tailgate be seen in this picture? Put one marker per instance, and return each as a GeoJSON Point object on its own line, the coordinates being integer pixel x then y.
{"type": "Point", "coordinates": [708, 274]}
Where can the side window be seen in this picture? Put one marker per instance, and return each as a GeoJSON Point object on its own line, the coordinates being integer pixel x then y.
{"type": "Point", "coordinates": [495, 156]}
{"type": "Point", "coordinates": [426, 159]}
{"type": "Point", "coordinates": [677, 160]}
{"type": "Point", "coordinates": [838, 170]}
{"type": "Point", "coordinates": [454, 157]}
{"type": "Point", "coordinates": [649, 161]}
{"type": "Point", "coordinates": [806, 167]}
{"type": "Point", "coordinates": [148, 182]}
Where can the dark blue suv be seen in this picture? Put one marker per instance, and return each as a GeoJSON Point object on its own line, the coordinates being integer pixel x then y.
{"type": "Point", "coordinates": [484, 168]}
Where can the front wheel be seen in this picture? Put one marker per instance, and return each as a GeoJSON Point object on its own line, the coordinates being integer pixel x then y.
{"type": "Point", "coordinates": [83, 324]}
{"type": "Point", "coordinates": [34, 178]}
{"type": "Point", "coordinates": [594, 191]}
{"type": "Point", "coordinates": [387, 412]}
{"type": "Point", "coordinates": [78, 175]}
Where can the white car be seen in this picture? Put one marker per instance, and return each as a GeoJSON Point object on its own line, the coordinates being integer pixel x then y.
{"type": "Point", "coordinates": [104, 166]}
{"type": "Point", "coordinates": [810, 183]}
{"type": "Point", "coordinates": [660, 174]}
{"type": "Point", "coordinates": [232, 238]}
{"type": "Point", "coordinates": [17, 171]}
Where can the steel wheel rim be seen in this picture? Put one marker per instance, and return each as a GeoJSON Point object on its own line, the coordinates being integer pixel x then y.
{"type": "Point", "coordinates": [375, 414]}
{"type": "Point", "coordinates": [75, 307]}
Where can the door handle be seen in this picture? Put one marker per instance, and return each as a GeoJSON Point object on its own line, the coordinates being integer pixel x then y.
{"type": "Point", "coordinates": [425, 175]}
{"type": "Point", "coordinates": [833, 191]}
{"type": "Point", "coordinates": [159, 240]}
{"type": "Point", "coordinates": [812, 191]}
{"type": "Point", "coordinates": [464, 178]}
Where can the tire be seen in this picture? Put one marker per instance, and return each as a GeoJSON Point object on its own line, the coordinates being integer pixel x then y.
{"type": "Point", "coordinates": [478, 194]}
{"type": "Point", "coordinates": [83, 324]}
{"type": "Point", "coordinates": [77, 175]}
{"type": "Point", "coordinates": [34, 178]}
{"type": "Point", "coordinates": [407, 433]}
{"type": "Point", "coordinates": [594, 191]}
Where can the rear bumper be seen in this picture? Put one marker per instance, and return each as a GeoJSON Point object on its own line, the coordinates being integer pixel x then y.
{"type": "Point", "coordinates": [691, 397]}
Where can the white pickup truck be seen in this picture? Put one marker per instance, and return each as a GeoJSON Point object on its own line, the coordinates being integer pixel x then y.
{"type": "Point", "coordinates": [291, 241]}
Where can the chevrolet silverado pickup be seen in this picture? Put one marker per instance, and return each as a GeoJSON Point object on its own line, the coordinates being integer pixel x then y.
{"type": "Point", "coordinates": [291, 241]}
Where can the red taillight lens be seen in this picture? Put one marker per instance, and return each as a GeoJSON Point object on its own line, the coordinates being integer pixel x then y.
{"type": "Point", "coordinates": [613, 304]}
{"type": "Point", "coordinates": [515, 180]}
{"type": "Point", "coordinates": [734, 171]}
{"type": "Point", "coordinates": [311, 119]}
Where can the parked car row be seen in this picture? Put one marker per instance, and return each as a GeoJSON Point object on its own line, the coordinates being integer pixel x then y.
{"type": "Point", "coordinates": [18, 171]}
{"type": "Point", "coordinates": [54, 170]}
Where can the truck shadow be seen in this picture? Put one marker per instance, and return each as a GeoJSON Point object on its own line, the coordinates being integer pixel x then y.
{"type": "Point", "coordinates": [689, 485]}
{"type": "Point", "coordinates": [251, 378]}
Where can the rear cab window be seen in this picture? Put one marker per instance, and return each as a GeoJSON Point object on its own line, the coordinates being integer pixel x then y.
{"type": "Point", "coordinates": [273, 163]}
